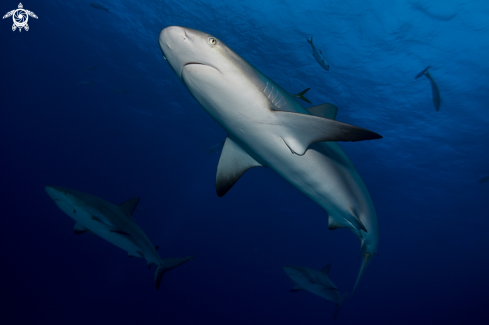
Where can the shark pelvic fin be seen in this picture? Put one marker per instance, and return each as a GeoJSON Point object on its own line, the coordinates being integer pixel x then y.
{"type": "Point", "coordinates": [301, 95]}
{"type": "Point", "coordinates": [168, 264]}
{"type": "Point", "coordinates": [79, 229]}
{"type": "Point", "coordinates": [346, 222]}
{"type": "Point", "coordinates": [324, 110]}
{"type": "Point", "coordinates": [302, 130]}
{"type": "Point", "coordinates": [129, 206]}
{"type": "Point", "coordinates": [120, 232]}
{"type": "Point", "coordinates": [325, 269]}
{"type": "Point", "coordinates": [233, 163]}
{"type": "Point", "coordinates": [296, 288]}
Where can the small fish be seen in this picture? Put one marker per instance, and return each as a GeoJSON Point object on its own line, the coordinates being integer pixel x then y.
{"type": "Point", "coordinates": [215, 148]}
{"type": "Point", "coordinates": [87, 68]}
{"type": "Point", "coordinates": [319, 56]}
{"type": "Point", "coordinates": [435, 91]}
{"type": "Point", "coordinates": [483, 179]}
{"type": "Point", "coordinates": [98, 6]}
{"type": "Point", "coordinates": [117, 90]}
{"type": "Point", "coordinates": [86, 83]}
{"type": "Point", "coordinates": [422, 72]}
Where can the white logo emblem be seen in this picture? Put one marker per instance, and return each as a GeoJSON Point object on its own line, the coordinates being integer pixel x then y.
{"type": "Point", "coordinates": [20, 17]}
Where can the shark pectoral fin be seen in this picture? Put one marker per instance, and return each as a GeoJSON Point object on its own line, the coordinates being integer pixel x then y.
{"type": "Point", "coordinates": [296, 288]}
{"type": "Point", "coordinates": [79, 229]}
{"type": "Point", "coordinates": [233, 163]}
{"type": "Point", "coordinates": [301, 130]}
{"type": "Point", "coordinates": [325, 269]}
{"type": "Point", "coordinates": [324, 110]}
{"type": "Point", "coordinates": [129, 206]}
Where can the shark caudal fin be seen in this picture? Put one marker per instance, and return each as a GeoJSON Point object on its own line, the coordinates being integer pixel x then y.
{"type": "Point", "coordinates": [338, 305]}
{"type": "Point", "coordinates": [310, 41]}
{"type": "Point", "coordinates": [168, 264]}
{"type": "Point", "coordinates": [301, 95]}
{"type": "Point", "coordinates": [366, 260]}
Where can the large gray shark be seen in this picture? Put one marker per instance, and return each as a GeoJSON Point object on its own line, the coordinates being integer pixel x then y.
{"type": "Point", "coordinates": [266, 127]}
{"type": "Point", "coordinates": [113, 223]}
{"type": "Point", "coordinates": [317, 282]}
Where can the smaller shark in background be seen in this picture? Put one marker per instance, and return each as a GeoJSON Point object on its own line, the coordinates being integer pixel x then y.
{"type": "Point", "coordinates": [434, 88]}
{"type": "Point", "coordinates": [113, 223]}
{"type": "Point", "coordinates": [316, 282]}
{"type": "Point", "coordinates": [483, 179]}
{"type": "Point", "coordinates": [98, 6]}
{"type": "Point", "coordinates": [319, 56]}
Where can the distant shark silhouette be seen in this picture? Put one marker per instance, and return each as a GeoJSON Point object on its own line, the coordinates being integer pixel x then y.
{"type": "Point", "coordinates": [265, 126]}
{"type": "Point", "coordinates": [317, 282]}
{"type": "Point", "coordinates": [113, 223]}
{"type": "Point", "coordinates": [318, 55]}
{"type": "Point", "coordinates": [434, 88]}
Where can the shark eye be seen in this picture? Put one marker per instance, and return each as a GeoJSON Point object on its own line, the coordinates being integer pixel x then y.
{"type": "Point", "coordinates": [212, 41]}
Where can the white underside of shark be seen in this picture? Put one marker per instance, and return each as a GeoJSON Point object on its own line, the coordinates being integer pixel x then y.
{"type": "Point", "coordinates": [266, 127]}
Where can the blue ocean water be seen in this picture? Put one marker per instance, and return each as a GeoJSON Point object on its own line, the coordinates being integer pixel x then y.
{"type": "Point", "coordinates": [151, 141]}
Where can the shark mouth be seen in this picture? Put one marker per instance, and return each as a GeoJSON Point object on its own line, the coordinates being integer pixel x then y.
{"type": "Point", "coordinates": [198, 63]}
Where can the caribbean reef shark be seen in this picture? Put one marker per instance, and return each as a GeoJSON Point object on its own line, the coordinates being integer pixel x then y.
{"type": "Point", "coordinates": [316, 282]}
{"type": "Point", "coordinates": [113, 223]}
{"type": "Point", "coordinates": [265, 126]}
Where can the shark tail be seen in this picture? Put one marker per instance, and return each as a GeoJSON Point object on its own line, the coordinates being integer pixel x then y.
{"type": "Point", "coordinates": [338, 305]}
{"type": "Point", "coordinates": [167, 265]}
{"type": "Point", "coordinates": [366, 260]}
{"type": "Point", "coordinates": [310, 41]}
{"type": "Point", "coordinates": [301, 95]}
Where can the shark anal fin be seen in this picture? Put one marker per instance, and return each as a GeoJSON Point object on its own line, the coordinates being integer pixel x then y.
{"type": "Point", "coordinates": [233, 163]}
{"type": "Point", "coordinates": [79, 229]}
{"type": "Point", "coordinates": [296, 288]}
{"type": "Point", "coordinates": [120, 232]}
{"type": "Point", "coordinates": [326, 269]}
{"type": "Point", "coordinates": [299, 131]}
{"type": "Point", "coordinates": [324, 110]}
{"type": "Point", "coordinates": [128, 206]}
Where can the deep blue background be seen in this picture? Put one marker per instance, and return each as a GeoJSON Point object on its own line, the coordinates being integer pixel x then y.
{"type": "Point", "coordinates": [152, 142]}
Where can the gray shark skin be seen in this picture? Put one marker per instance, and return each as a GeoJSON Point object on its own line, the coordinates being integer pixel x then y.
{"type": "Point", "coordinates": [316, 282]}
{"type": "Point", "coordinates": [435, 92]}
{"type": "Point", "coordinates": [98, 6]}
{"type": "Point", "coordinates": [318, 55]}
{"type": "Point", "coordinates": [267, 127]}
{"type": "Point", "coordinates": [113, 223]}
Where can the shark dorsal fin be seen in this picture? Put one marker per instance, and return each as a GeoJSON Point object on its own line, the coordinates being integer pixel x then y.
{"type": "Point", "coordinates": [129, 206]}
{"type": "Point", "coordinates": [325, 269]}
{"type": "Point", "coordinates": [299, 131]}
{"type": "Point", "coordinates": [79, 229]}
{"type": "Point", "coordinates": [324, 110]}
{"type": "Point", "coordinates": [296, 288]}
{"type": "Point", "coordinates": [233, 163]}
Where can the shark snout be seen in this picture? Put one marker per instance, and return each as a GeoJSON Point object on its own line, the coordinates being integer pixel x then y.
{"type": "Point", "coordinates": [56, 193]}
